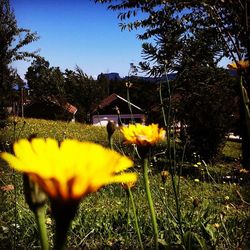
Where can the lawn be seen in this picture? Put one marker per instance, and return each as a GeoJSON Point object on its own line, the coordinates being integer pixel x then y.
{"type": "Point", "coordinates": [213, 200]}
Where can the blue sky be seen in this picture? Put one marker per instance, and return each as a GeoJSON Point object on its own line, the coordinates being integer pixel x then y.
{"type": "Point", "coordinates": [77, 32]}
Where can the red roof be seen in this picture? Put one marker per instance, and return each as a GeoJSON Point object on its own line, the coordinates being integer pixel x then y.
{"type": "Point", "coordinates": [108, 100]}
{"type": "Point", "coordinates": [70, 108]}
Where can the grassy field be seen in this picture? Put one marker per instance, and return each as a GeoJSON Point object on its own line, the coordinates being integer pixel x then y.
{"type": "Point", "coordinates": [213, 198]}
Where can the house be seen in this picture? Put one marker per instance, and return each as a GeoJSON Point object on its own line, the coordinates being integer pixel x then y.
{"type": "Point", "coordinates": [50, 108]}
{"type": "Point", "coordinates": [118, 109]}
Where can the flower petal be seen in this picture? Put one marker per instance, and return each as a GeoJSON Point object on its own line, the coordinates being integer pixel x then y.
{"type": "Point", "coordinates": [71, 170]}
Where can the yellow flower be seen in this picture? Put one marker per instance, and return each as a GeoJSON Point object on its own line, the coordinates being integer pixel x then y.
{"type": "Point", "coordinates": [128, 185]}
{"type": "Point", "coordinates": [216, 225]}
{"type": "Point", "coordinates": [243, 170]}
{"type": "Point", "coordinates": [242, 64]}
{"type": "Point", "coordinates": [164, 175]}
{"type": "Point", "coordinates": [70, 170]}
{"type": "Point", "coordinates": [143, 135]}
{"type": "Point", "coordinates": [48, 221]}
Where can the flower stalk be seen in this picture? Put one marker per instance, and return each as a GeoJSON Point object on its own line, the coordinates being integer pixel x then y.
{"type": "Point", "coordinates": [111, 127]}
{"type": "Point", "coordinates": [66, 172]}
{"type": "Point", "coordinates": [135, 217]}
{"type": "Point", "coordinates": [150, 201]}
{"type": "Point", "coordinates": [36, 200]}
{"type": "Point", "coordinates": [63, 215]}
{"type": "Point", "coordinates": [145, 137]}
{"type": "Point", "coordinates": [40, 220]}
{"type": "Point", "coordinates": [245, 99]}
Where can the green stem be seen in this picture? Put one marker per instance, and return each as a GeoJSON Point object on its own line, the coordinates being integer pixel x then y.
{"type": "Point", "coordinates": [150, 201]}
{"type": "Point", "coordinates": [110, 140]}
{"type": "Point", "coordinates": [128, 216]}
{"type": "Point", "coordinates": [162, 105]}
{"type": "Point", "coordinates": [15, 208]}
{"type": "Point", "coordinates": [190, 229]}
{"type": "Point", "coordinates": [178, 210]}
{"type": "Point", "coordinates": [40, 219]}
{"type": "Point", "coordinates": [129, 106]}
{"type": "Point", "coordinates": [245, 99]}
{"type": "Point", "coordinates": [135, 218]}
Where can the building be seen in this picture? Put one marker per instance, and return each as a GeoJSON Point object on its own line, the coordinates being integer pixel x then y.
{"type": "Point", "coordinates": [118, 109]}
{"type": "Point", "coordinates": [50, 108]}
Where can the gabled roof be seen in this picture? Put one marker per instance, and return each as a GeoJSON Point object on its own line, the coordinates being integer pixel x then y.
{"type": "Point", "coordinates": [51, 99]}
{"type": "Point", "coordinates": [70, 108]}
{"type": "Point", "coordinates": [110, 99]}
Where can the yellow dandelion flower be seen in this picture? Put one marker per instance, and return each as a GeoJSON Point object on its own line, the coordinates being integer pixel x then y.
{"type": "Point", "coordinates": [243, 170]}
{"type": "Point", "coordinates": [70, 170]}
{"type": "Point", "coordinates": [143, 135]}
{"type": "Point", "coordinates": [242, 64]}
{"type": "Point", "coordinates": [164, 175]}
{"type": "Point", "coordinates": [216, 225]}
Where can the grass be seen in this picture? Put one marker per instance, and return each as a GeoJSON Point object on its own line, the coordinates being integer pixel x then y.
{"type": "Point", "coordinates": [215, 209]}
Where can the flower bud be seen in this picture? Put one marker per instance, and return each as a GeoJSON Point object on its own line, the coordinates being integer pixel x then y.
{"type": "Point", "coordinates": [111, 127]}
{"type": "Point", "coordinates": [196, 202]}
{"type": "Point", "coordinates": [34, 196]}
{"type": "Point", "coordinates": [164, 175]}
{"type": "Point", "coordinates": [128, 185]}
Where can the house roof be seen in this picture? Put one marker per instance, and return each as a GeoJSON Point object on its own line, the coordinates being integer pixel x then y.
{"type": "Point", "coordinates": [51, 99]}
{"type": "Point", "coordinates": [114, 97]}
{"type": "Point", "coordinates": [65, 105]}
{"type": "Point", "coordinates": [70, 108]}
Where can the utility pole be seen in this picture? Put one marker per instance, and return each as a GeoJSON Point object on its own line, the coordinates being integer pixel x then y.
{"type": "Point", "coordinates": [22, 112]}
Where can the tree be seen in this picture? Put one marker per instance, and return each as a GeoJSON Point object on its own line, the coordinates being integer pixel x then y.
{"type": "Point", "coordinates": [45, 81]}
{"type": "Point", "coordinates": [12, 40]}
{"type": "Point", "coordinates": [213, 29]}
{"type": "Point", "coordinates": [206, 108]}
{"type": "Point", "coordinates": [83, 91]}
{"type": "Point", "coordinates": [105, 82]}
{"type": "Point", "coordinates": [37, 77]}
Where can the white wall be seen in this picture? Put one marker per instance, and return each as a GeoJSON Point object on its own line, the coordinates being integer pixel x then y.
{"type": "Point", "coordinates": [102, 120]}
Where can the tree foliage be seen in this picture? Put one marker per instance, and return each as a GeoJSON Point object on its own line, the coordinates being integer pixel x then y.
{"type": "Point", "coordinates": [12, 40]}
{"type": "Point", "coordinates": [72, 86]}
{"type": "Point", "coordinates": [44, 81]}
{"type": "Point", "coordinates": [206, 108]}
{"type": "Point", "coordinates": [83, 91]}
{"type": "Point", "coordinates": [190, 38]}
{"type": "Point", "coordinates": [167, 26]}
